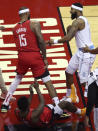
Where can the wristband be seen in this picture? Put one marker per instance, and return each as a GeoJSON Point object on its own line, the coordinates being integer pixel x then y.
{"type": "Point", "coordinates": [55, 41]}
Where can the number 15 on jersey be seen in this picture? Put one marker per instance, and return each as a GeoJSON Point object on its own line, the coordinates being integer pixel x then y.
{"type": "Point", "coordinates": [22, 40]}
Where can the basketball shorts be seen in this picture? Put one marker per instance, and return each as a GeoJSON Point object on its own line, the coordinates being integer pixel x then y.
{"type": "Point", "coordinates": [82, 64]}
{"type": "Point", "coordinates": [32, 60]}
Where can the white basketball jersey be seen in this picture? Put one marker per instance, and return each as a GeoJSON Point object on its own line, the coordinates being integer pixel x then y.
{"type": "Point", "coordinates": [83, 37]}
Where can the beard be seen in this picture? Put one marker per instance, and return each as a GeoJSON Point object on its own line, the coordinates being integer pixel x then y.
{"type": "Point", "coordinates": [74, 15]}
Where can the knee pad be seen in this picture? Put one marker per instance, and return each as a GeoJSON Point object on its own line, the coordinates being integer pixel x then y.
{"type": "Point", "coordinates": [46, 79]}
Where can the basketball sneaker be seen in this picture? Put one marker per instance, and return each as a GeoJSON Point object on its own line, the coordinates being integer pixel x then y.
{"type": "Point", "coordinates": [83, 111]}
{"type": "Point", "coordinates": [4, 108]}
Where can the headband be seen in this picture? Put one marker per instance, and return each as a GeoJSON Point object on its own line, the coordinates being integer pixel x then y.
{"type": "Point", "coordinates": [77, 8]}
{"type": "Point", "coordinates": [24, 11]}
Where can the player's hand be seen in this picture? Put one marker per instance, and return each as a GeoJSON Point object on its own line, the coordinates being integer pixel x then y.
{"type": "Point", "coordinates": [46, 63]}
{"type": "Point", "coordinates": [49, 42]}
{"type": "Point", "coordinates": [2, 28]}
{"type": "Point", "coordinates": [35, 84]}
{"type": "Point", "coordinates": [86, 49]}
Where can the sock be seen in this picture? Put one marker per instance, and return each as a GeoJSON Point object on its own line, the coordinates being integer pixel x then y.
{"type": "Point", "coordinates": [68, 92]}
{"type": "Point", "coordinates": [78, 111]}
{"type": "Point", "coordinates": [12, 88]}
{"type": "Point", "coordinates": [56, 100]}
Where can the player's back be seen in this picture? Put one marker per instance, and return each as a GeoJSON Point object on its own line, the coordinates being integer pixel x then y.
{"type": "Point", "coordinates": [25, 38]}
{"type": "Point", "coordinates": [44, 120]}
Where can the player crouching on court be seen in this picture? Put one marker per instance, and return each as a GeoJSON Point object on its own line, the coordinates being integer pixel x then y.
{"type": "Point", "coordinates": [43, 115]}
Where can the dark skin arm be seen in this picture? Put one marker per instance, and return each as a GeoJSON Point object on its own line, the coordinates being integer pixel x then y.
{"type": "Point", "coordinates": [93, 51]}
{"type": "Point", "coordinates": [77, 25]}
{"type": "Point", "coordinates": [71, 33]}
{"type": "Point", "coordinates": [37, 112]}
{"type": "Point", "coordinates": [31, 93]}
{"type": "Point", "coordinates": [36, 28]}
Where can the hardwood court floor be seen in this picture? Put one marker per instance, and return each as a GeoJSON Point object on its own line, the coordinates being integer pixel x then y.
{"type": "Point", "coordinates": [91, 13]}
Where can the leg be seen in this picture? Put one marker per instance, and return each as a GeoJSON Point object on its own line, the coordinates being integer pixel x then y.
{"type": "Point", "coordinates": [40, 72]}
{"type": "Point", "coordinates": [69, 79]}
{"type": "Point", "coordinates": [72, 67]}
{"type": "Point", "coordinates": [50, 88]}
{"type": "Point", "coordinates": [52, 91]}
{"type": "Point", "coordinates": [85, 65]}
{"type": "Point", "coordinates": [12, 89]}
{"type": "Point", "coordinates": [91, 97]}
{"type": "Point", "coordinates": [48, 83]}
{"type": "Point", "coordinates": [96, 118]}
{"type": "Point", "coordinates": [2, 86]}
{"type": "Point", "coordinates": [70, 107]}
{"type": "Point", "coordinates": [2, 83]}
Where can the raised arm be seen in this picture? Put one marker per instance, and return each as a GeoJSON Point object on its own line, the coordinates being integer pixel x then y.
{"type": "Point", "coordinates": [37, 112]}
{"type": "Point", "coordinates": [31, 93]}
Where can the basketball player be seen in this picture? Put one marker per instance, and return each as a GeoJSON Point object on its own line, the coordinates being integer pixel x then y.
{"type": "Point", "coordinates": [80, 29]}
{"type": "Point", "coordinates": [43, 115]}
{"type": "Point", "coordinates": [92, 98]}
{"type": "Point", "coordinates": [31, 54]}
{"type": "Point", "coordinates": [92, 92]}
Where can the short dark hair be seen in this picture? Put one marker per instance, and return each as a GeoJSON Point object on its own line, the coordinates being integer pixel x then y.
{"type": "Point", "coordinates": [23, 103]}
{"type": "Point", "coordinates": [78, 5]}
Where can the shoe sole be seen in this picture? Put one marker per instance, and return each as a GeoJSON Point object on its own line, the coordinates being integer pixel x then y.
{"type": "Point", "coordinates": [3, 110]}
{"type": "Point", "coordinates": [65, 115]}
